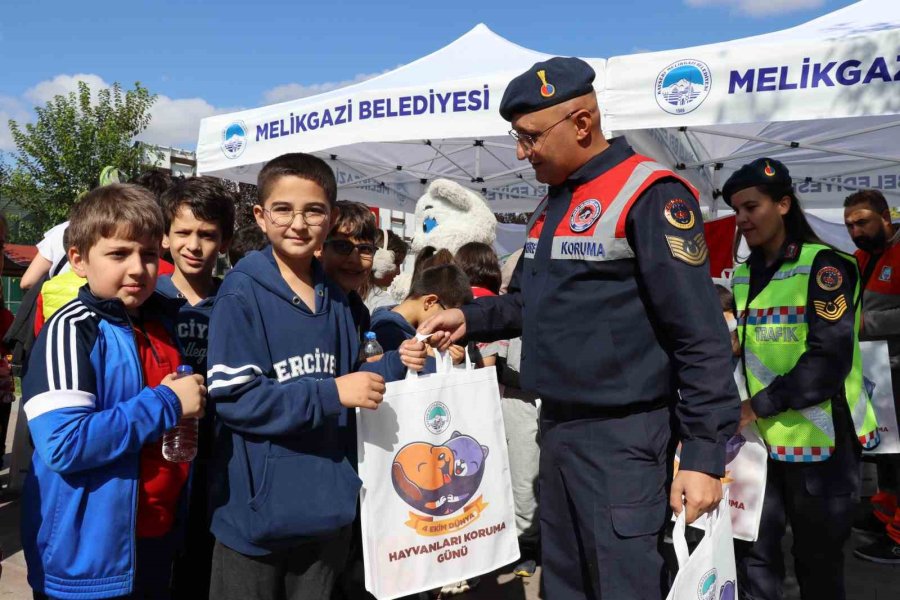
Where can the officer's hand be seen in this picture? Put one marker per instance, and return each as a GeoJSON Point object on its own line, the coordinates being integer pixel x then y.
{"type": "Point", "coordinates": [444, 328]}
{"type": "Point", "coordinates": [747, 414]}
{"type": "Point", "coordinates": [696, 492]}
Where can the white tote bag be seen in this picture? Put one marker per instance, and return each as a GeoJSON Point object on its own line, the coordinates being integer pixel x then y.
{"type": "Point", "coordinates": [877, 379]}
{"type": "Point", "coordinates": [437, 504]}
{"type": "Point", "coordinates": [709, 572]}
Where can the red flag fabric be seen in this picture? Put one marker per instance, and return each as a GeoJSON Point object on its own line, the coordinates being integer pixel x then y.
{"type": "Point", "coordinates": [720, 240]}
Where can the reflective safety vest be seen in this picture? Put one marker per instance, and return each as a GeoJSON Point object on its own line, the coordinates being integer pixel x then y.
{"type": "Point", "coordinates": [59, 291]}
{"type": "Point", "coordinates": [772, 331]}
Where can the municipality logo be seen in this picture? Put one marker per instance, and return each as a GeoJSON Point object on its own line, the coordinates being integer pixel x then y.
{"type": "Point", "coordinates": [683, 86]}
{"type": "Point", "coordinates": [234, 139]}
{"type": "Point", "coordinates": [437, 417]}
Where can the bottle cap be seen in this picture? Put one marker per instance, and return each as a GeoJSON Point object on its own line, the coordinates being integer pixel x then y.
{"type": "Point", "coordinates": [184, 370]}
{"type": "Point", "coordinates": [370, 335]}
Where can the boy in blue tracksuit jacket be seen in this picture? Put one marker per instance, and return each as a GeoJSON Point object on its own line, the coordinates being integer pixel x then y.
{"type": "Point", "coordinates": [99, 503]}
{"type": "Point", "coordinates": [282, 354]}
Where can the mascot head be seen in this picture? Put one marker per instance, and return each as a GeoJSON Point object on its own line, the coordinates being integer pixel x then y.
{"type": "Point", "coordinates": [450, 215]}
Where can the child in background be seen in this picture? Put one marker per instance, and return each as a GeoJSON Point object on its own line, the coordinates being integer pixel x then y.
{"type": "Point", "coordinates": [480, 264]}
{"type": "Point", "coordinates": [283, 349]}
{"type": "Point", "coordinates": [199, 215]}
{"type": "Point", "coordinates": [99, 503]}
{"type": "Point", "coordinates": [434, 289]}
{"type": "Point", "coordinates": [389, 259]}
{"type": "Point", "coordinates": [347, 256]}
{"type": "Point", "coordinates": [7, 384]}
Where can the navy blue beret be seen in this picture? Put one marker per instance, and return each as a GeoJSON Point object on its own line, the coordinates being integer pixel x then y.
{"type": "Point", "coordinates": [762, 171]}
{"type": "Point", "coordinates": [546, 84]}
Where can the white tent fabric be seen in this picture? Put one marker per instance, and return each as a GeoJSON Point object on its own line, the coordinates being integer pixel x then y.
{"type": "Point", "coordinates": [388, 136]}
{"type": "Point", "coordinates": [822, 97]}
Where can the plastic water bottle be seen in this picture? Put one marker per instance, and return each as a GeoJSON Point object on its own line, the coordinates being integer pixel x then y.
{"type": "Point", "coordinates": [371, 348]}
{"type": "Point", "coordinates": [180, 443]}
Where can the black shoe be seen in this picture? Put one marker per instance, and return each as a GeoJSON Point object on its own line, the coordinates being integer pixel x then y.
{"type": "Point", "coordinates": [868, 524]}
{"type": "Point", "coordinates": [884, 552]}
{"type": "Point", "coordinates": [526, 568]}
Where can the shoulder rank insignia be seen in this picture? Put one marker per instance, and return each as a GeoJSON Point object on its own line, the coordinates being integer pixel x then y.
{"type": "Point", "coordinates": [679, 214]}
{"type": "Point", "coordinates": [831, 310]}
{"type": "Point", "coordinates": [691, 251]}
{"type": "Point", "coordinates": [829, 278]}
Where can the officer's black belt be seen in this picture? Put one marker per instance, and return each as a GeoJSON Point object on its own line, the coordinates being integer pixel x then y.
{"type": "Point", "coordinates": [554, 410]}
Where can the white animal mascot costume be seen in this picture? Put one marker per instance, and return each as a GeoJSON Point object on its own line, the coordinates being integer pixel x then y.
{"type": "Point", "coordinates": [449, 216]}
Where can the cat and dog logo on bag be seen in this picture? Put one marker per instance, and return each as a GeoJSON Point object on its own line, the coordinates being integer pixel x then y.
{"type": "Point", "coordinates": [440, 480]}
{"type": "Point", "coordinates": [708, 587]}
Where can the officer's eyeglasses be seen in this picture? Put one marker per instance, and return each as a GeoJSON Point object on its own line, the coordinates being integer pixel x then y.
{"type": "Point", "coordinates": [345, 247]}
{"type": "Point", "coordinates": [285, 215]}
{"type": "Point", "coordinates": [528, 140]}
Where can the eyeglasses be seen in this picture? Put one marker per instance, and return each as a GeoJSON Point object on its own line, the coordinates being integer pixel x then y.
{"type": "Point", "coordinates": [283, 215]}
{"type": "Point", "coordinates": [528, 140]}
{"type": "Point", "coordinates": [345, 247]}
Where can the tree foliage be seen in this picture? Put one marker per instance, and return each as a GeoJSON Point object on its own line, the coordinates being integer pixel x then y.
{"type": "Point", "coordinates": [59, 157]}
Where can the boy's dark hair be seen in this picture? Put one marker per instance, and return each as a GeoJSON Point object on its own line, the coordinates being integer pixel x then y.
{"type": "Point", "coordinates": [297, 164]}
{"type": "Point", "coordinates": [429, 256]}
{"type": "Point", "coordinates": [206, 197]}
{"type": "Point", "coordinates": [726, 298]}
{"type": "Point", "coordinates": [354, 220]}
{"type": "Point", "coordinates": [447, 282]}
{"type": "Point", "coordinates": [874, 198]}
{"type": "Point", "coordinates": [480, 264]}
{"type": "Point", "coordinates": [156, 180]}
{"type": "Point", "coordinates": [246, 239]}
{"type": "Point", "coordinates": [118, 208]}
{"type": "Point", "coordinates": [395, 244]}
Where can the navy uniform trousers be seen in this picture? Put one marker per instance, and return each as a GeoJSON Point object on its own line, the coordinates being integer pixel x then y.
{"type": "Point", "coordinates": [817, 500]}
{"type": "Point", "coordinates": [603, 502]}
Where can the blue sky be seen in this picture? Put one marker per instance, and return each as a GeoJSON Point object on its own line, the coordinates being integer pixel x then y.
{"type": "Point", "coordinates": [203, 56]}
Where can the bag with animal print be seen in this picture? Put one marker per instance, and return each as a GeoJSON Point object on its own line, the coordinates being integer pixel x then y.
{"type": "Point", "coordinates": [437, 503]}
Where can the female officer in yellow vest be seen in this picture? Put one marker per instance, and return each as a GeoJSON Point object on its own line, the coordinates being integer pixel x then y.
{"type": "Point", "coordinates": [798, 327]}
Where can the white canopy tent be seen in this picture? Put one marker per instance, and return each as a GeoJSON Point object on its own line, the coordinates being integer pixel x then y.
{"type": "Point", "coordinates": [823, 97]}
{"type": "Point", "coordinates": [388, 136]}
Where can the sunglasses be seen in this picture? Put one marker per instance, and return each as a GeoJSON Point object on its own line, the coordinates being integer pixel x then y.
{"type": "Point", "coordinates": [345, 247]}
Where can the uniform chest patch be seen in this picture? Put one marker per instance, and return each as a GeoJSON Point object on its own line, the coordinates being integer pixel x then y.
{"type": "Point", "coordinates": [679, 214]}
{"type": "Point", "coordinates": [585, 215]}
{"type": "Point", "coordinates": [885, 274]}
{"type": "Point", "coordinates": [829, 278]}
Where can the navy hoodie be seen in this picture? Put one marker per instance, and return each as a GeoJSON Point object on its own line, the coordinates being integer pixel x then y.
{"type": "Point", "coordinates": [192, 328]}
{"type": "Point", "coordinates": [392, 329]}
{"type": "Point", "coordinates": [281, 472]}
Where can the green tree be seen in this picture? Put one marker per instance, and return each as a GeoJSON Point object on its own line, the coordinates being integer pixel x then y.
{"type": "Point", "coordinates": [59, 157]}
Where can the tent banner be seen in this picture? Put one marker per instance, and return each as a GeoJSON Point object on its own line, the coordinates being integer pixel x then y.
{"type": "Point", "coordinates": [437, 503]}
{"type": "Point", "coordinates": [746, 82]}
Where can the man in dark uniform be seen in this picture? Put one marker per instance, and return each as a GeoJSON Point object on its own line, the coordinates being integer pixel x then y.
{"type": "Point", "coordinates": [622, 338]}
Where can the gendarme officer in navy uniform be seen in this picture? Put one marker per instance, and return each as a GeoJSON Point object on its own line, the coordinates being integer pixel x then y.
{"type": "Point", "coordinates": [618, 316]}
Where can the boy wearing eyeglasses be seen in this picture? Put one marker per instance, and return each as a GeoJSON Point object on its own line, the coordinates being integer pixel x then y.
{"type": "Point", "coordinates": [283, 360]}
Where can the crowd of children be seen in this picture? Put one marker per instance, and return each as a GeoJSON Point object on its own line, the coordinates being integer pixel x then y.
{"type": "Point", "coordinates": [267, 509]}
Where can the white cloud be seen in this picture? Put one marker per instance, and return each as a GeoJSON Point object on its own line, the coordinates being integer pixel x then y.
{"type": "Point", "coordinates": [758, 8]}
{"type": "Point", "coordinates": [176, 122]}
{"type": "Point", "coordinates": [10, 108]}
{"type": "Point", "coordinates": [292, 91]}
{"type": "Point", "coordinates": [45, 91]}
